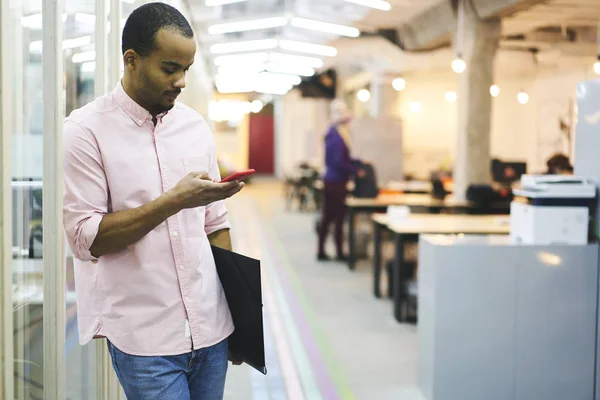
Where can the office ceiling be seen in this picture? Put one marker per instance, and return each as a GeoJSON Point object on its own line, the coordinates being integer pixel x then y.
{"type": "Point", "coordinates": [556, 13]}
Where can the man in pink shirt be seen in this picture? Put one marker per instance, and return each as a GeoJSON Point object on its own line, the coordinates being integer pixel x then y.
{"type": "Point", "coordinates": [142, 207]}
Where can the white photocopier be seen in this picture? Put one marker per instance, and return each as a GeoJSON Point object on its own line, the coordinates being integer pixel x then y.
{"type": "Point", "coordinates": [552, 209]}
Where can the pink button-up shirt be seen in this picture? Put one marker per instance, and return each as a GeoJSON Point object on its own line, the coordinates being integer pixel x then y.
{"type": "Point", "coordinates": [161, 295]}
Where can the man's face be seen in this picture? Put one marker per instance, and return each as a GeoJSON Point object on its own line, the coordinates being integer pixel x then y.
{"type": "Point", "coordinates": [160, 77]}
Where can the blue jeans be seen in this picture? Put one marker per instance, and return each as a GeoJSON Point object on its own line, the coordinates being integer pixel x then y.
{"type": "Point", "coordinates": [199, 375]}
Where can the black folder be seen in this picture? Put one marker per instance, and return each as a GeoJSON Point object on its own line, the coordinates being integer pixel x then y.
{"type": "Point", "coordinates": [240, 278]}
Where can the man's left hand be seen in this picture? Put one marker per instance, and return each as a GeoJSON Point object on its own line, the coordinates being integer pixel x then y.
{"type": "Point", "coordinates": [234, 360]}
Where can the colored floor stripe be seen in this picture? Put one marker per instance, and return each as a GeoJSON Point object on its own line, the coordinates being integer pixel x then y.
{"type": "Point", "coordinates": [307, 313]}
{"type": "Point", "coordinates": [303, 329]}
{"type": "Point", "coordinates": [288, 369]}
{"type": "Point", "coordinates": [272, 386]}
{"type": "Point", "coordinates": [307, 377]}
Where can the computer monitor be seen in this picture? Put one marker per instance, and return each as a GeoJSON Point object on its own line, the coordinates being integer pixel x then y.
{"type": "Point", "coordinates": [508, 171]}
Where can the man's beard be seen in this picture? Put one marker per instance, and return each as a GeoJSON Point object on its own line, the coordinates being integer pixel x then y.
{"type": "Point", "coordinates": [159, 108]}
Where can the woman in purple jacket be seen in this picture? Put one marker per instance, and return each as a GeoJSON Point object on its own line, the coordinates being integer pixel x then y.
{"type": "Point", "coordinates": [339, 168]}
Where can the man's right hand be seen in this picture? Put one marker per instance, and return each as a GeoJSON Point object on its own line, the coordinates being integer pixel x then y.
{"type": "Point", "coordinates": [196, 189]}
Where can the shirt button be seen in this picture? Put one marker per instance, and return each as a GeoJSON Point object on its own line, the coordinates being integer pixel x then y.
{"type": "Point", "coordinates": [181, 267]}
{"type": "Point", "coordinates": [141, 121]}
{"type": "Point", "coordinates": [174, 234]}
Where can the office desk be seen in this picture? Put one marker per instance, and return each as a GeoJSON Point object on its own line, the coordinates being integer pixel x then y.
{"type": "Point", "coordinates": [417, 202]}
{"type": "Point", "coordinates": [410, 228]}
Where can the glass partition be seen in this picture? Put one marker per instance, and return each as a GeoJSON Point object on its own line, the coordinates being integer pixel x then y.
{"type": "Point", "coordinates": [26, 78]}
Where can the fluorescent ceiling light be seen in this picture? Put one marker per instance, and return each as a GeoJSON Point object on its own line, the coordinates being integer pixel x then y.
{"type": "Point", "coordinates": [88, 67]}
{"type": "Point", "coordinates": [377, 4]}
{"type": "Point", "coordinates": [77, 42]}
{"type": "Point", "coordinates": [310, 48]}
{"type": "Point", "coordinates": [250, 45]}
{"type": "Point", "coordinates": [291, 69]}
{"type": "Point", "coordinates": [265, 82]}
{"type": "Point", "coordinates": [271, 89]}
{"type": "Point", "coordinates": [280, 79]}
{"type": "Point", "coordinates": [85, 18]}
{"type": "Point", "coordinates": [263, 57]}
{"type": "Point", "coordinates": [294, 59]}
{"type": "Point", "coordinates": [256, 106]}
{"type": "Point", "coordinates": [34, 21]}
{"type": "Point", "coordinates": [245, 68]}
{"type": "Point", "coordinates": [263, 78]}
{"type": "Point", "coordinates": [212, 3]}
{"type": "Point", "coordinates": [84, 57]}
{"type": "Point", "coordinates": [325, 27]}
{"type": "Point", "coordinates": [36, 47]}
{"type": "Point", "coordinates": [237, 79]}
{"type": "Point", "coordinates": [241, 58]}
{"type": "Point", "coordinates": [248, 25]}
{"type": "Point", "coordinates": [246, 88]}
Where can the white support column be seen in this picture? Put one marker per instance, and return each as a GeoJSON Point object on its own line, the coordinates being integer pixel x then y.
{"type": "Point", "coordinates": [384, 99]}
{"type": "Point", "coordinates": [54, 267]}
{"type": "Point", "coordinates": [6, 315]}
{"type": "Point", "coordinates": [472, 162]}
{"type": "Point", "coordinates": [116, 56]}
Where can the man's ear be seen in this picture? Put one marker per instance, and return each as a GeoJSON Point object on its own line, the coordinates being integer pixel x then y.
{"type": "Point", "coordinates": [131, 59]}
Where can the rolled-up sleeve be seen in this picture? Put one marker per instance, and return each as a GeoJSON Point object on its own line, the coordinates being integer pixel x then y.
{"type": "Point", "coordinates": [85, 195]}
{"type": "Point", "coordinates": [215, 218]}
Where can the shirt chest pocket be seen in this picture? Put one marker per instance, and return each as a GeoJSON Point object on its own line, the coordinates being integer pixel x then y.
{"type": "Point", "coordinates": [193, 218]}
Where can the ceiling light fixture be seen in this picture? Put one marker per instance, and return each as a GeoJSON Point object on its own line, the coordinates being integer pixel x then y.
{"type": "Point", "coordinates": [325, 27]}
{"type": "Point", "coordinates": [283, 58]}
{"type": "Point", "coordinates": [84, 57]}
{"type": "Point", "coordinates": [249, 45]}
{"type": "Point", "coordinates": [416, 106]}
{"type": "Point", "coordinates": [377, 4]}
{"type": "Point", "coordinates": [84, 18]}
{"type": "Point", "coordinates": [213, 3]}
{"type": "Point", "coordinates": [34, 21]}
{"type": "Point", "coordinates": [248, 25]}
{"type": "Point", "coordinates": [310, 48]}
{"type": "Point", "coordinates": [523, 97]}
{"type": "Point", "coordinates": [77, 42]}
{"type": "Point", "coordinates": [256, 106]}
{"type": "Point", "coordinates": [399, 84]}
{"type": "Point", "coordinates": [241, 58]}
{"type": "Point", "coordinates": [363, 95]}
{"type": "Point", "coordinates": [494, 91]}
{"type": "Point", "coordinates": [451, 96]}
{"type": "Point", "coordinates": [290, 69]}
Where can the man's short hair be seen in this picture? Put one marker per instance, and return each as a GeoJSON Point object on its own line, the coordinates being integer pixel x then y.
{"type": "Point", "coordinates": [145, 22]}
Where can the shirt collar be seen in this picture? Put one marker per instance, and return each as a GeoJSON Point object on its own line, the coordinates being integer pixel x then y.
{"type": "Point", "coordinates": [136, 112]}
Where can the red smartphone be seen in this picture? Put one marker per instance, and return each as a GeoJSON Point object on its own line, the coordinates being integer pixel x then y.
{"type": "Point", "coordinates": [240, 175]}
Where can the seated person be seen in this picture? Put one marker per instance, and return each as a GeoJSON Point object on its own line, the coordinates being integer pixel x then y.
{"type": "Point", "coordinates": [559, 164]}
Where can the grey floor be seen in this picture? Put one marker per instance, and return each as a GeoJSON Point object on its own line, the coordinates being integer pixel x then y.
{"type": "Point", "coordinates": [341, 342]}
